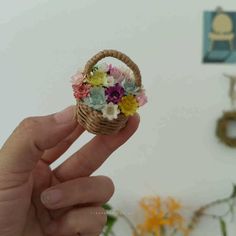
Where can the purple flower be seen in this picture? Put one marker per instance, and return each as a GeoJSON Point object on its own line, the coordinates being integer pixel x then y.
{"type": "Point", "coordinates": [115, 93]}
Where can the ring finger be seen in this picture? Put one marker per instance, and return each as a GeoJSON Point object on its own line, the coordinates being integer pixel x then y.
{"type": "Point", "coordinates": [98, 189]}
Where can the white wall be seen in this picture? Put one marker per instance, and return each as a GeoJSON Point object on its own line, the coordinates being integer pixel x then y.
{"type": "Point", "coordinates": [175, 151]}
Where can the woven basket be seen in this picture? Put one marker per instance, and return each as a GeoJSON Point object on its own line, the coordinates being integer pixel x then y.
{"type": "Point", "coordinates": [92, 120]}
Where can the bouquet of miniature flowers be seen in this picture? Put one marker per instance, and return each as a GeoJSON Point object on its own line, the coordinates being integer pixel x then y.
{"type": "Point", "coordinates": [110, 90]}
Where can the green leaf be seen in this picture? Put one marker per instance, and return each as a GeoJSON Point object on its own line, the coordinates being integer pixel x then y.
{"type": "Point", "coordinates": [223, 227]}
{"type": "Point", "coordinates": [163, 230]}
{"type": "Point", "coordinates": [107, 207]}
{"type": "Point", "coordinates": [233, 195]}
{"type": "Point", "coordinates": [111, 220]}
{"type": "Point", "coordinates": [95, 68]}
{"type": "Point", "coordinates": [231, 208]}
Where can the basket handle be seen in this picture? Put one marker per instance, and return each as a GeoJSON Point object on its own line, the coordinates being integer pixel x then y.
{"type": "Point", "coordinates": [118, 55]}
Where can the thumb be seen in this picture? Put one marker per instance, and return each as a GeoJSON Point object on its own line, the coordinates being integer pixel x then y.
{"type": "Point", "coordinates": [32, 137]}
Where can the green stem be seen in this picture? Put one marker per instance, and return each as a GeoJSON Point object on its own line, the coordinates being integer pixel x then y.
{"type": "Point", "coordinates": [129, 222]}
{"type": "Point", "coordinates": [163, 231]}
{"type": "Point", "coordinates": [199, 213]}
{"type": "Point", "coordinates": [217, 216]}
{"type": "Point", "coordinates": [173, 232]}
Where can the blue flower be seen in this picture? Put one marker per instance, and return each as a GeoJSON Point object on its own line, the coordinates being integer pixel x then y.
{"type": "Point", "coordinates": [130, 86]}
{"type": "Point", "coordinates": [97, 98]}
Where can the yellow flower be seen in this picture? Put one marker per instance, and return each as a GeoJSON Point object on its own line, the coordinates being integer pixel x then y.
{"type": "Point", "coordinates": [128, 105]}
{"type": "Point", "coordinates": [98, 78]}
{"type": "Point", "coordinates": [173, 205]}
{"type": "Point", "coordinates": [161, 214]}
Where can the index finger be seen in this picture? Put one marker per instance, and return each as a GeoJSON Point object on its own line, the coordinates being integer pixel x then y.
{"type": "Point", "coordinates": [32, 138]}
{"type": "Point", "coordinates": [92, 155]}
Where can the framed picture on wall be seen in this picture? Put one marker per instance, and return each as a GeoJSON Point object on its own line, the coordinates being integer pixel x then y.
{"type": "Point", "coordinates": [219, 36]}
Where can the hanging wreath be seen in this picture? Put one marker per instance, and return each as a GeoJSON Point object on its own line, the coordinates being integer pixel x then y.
{"type": "Point", "coordinates": [222, 128]}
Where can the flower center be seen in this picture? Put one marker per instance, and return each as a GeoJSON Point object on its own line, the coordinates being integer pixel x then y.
{"type": "Point", "coordinates": [110, 110]}
{"type": "Point", "coordinates": [81, 88]}
{"type": "Point", "coordinates": [115, 94]}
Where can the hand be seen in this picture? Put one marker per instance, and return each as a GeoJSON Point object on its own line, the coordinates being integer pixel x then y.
{"type": "Point", "coordinates": [38, 201]}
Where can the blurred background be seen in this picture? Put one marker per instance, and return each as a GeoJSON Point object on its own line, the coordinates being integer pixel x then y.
{"type": "Point", "coordinates": [175, 151]}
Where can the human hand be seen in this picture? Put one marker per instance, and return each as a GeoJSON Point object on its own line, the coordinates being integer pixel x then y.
{"type": "Point", "coordinates": [35, 200]}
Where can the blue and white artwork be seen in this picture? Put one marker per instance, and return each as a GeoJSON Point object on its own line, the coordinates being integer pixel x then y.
{"type": "Point", "coordinates": [219, 37]}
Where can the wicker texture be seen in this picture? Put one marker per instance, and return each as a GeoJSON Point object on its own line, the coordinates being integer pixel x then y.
{"type": "Point", "coordinates": [92, 120]}
{"type": "Point", "coordinates": [222, 128]}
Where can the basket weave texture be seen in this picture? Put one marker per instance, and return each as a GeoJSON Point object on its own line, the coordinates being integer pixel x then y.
{"type": "Point", "coordinates": [91, 119]}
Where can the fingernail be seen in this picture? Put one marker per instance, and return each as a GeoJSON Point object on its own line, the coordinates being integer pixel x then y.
{"type": "Point", "coordinates": [65, 116]}
{"type": "Point", "coordinates": [52, 228]}
{"type": "Point", "coordinates": [51, 197]}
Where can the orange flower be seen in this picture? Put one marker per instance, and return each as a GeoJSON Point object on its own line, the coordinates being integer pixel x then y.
{"type": "Point", "coordinates": [173, 205]}
{"type": "Point", "coordinates": [161, 215]}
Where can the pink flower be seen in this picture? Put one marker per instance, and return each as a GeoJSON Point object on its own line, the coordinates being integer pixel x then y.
{"type": "Point", "coordinates": [81, 90]}
{"type": "Point", "coordinates": [77, 78]}
{"type": "Point", "coordinates": [117, 74]}
{"type": "Point", "coordinates": [142, 98]}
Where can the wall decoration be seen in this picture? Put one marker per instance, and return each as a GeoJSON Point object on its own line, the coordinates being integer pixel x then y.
{"type": "Point", "coordinates": [219, 36]}
{"type": "Point", "coordinates": [229, 117]}
{"type": "Point", "coordinates": [165, 217]}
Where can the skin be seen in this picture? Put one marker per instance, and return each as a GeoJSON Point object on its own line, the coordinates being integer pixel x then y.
{"type": "Point", "coordinates": [27, 206]}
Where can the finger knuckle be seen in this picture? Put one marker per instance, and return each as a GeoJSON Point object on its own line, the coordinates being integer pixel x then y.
{"type": "Point", "coordinates": [85, 166]}
{"type": "Point", "coordinates": [29, 124]}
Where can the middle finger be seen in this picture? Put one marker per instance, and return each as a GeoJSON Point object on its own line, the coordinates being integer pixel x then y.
{"type": "Point", "coordinates": [92, 155]}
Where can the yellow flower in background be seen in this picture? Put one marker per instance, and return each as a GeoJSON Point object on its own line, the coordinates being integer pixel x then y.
{"type": "Point", "coordinates": [161, 216]}
{"type": "Point", "coordinates": [173, 208]}
{"type": "Point", "coordinates": [173, 205]}
{"type": "Point", "coordinates": [98, 78]}
{"type": "Point", "coordinates": [128, 105]}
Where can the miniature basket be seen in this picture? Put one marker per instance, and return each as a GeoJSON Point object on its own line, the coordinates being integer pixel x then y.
{"type": "Point", "coordinates": [93, 120]}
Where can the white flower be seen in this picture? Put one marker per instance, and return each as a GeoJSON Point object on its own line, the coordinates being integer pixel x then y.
{"type": "Point", "coordinates": [128, 74]}
{"type": "Point", "coordinates": [104, 67]}
{"type": "Point", "coordinates": [110, 111]}
{"type": "Point", "coordinates": [110, 81]}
